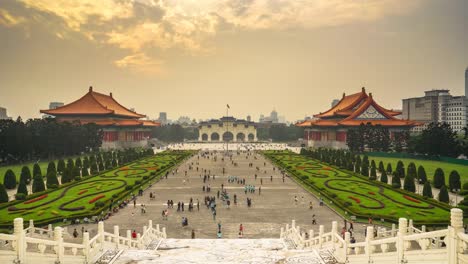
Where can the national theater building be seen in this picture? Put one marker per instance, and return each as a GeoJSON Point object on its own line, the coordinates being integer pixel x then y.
{"type": "Point", "coordinates": [122, 128]}
{"type": "Point", "coordinates": [328, 129]}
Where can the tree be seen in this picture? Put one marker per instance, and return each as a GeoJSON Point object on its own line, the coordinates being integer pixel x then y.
{"type": "Point", "coordinates": [84, 171]}
{"type": "Point", "coordinates": [36, 170]}
{"type": "Point", "coordinates": [438, 139]}
{"type": "Point", "coordinates": [60, 166]}
{"type": "Point", "coordinates": [10, 179]}
{"type": "Point", "coordinates": [422, 178]}
{"type": "Point", "coordinates": [454, 181]}
{"type": "Point", "coordinates": [383, 177]}
{"type": "Point", "coordinates": [22, 188]}
{"type": "Point", "coordinates": [396, 182]}
{"type": "Point", "coordinates": [76, 172]}
{"type": "Point", "coordinates": [412, 170]}
{"type": "Point", "coordinates": [3, 194]}
{"type": "Point", "coordinates": [94, 168]}
{"type": "Point", "coordinates": [51, 167]}
{"type": "Point", "coordinates": [427, 190]}
{"type": "Point", "coordinates": [66, 176]}
{"type": "Point", "coordinates": [389, 169]}
{"type": "Point", "coordinates": [70, 164]}
{"type": "Point", "coordinates": [443, 194]}
{"type": "Point", "coordinates": [38, 184]}
{"type": "Point", "coordinates": [408, 183]}
{"type": "Point", "coordinates": [399, 170]}
{"type": "Point", "coordinates": [381, 167]}
{"type": "Point", "coordinates": [373, 174]}
{"type": "Point", "coordinates": [439, 178]}
{"type": "Point", "coordinates": [25, 175]}
{"type": "Point", "coordinates": [52, 180]}
{"type": "Point", "coordinates": [357, 165]}
{"type": "Point", "coordinates": [365, 166]}
{"type": "Point", "coordinates": [78, 162]}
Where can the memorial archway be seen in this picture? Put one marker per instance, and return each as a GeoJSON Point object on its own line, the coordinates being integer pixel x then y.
{"type": "Point", "coordinates": [240, 137]}
{"type": "Point", "coordinates": [228, 136]}
{"type": "Point", "coordinates": [215, 137]}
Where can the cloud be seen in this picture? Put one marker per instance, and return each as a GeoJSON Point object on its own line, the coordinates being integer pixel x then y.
{"type": "Point", "coordinates": [141, 63]}
{"type": "Point", "coordinates": [189, 25]}
{"type": "Point", "coordinates": [9, 20]}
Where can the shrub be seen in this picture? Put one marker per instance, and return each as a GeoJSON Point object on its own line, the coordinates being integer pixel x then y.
{"type": "Point", "coordinates": [3, 194]}
{"type": "Point", "coordinates": [51, 179]}
{"type": "Point", "coordinates": [454, 181]}
{"type": "Point", "coordinates": [25, 175]}
{"type": "Point", "coordinates": [145, 177]}
{"type": "Point", "coordinates": [347, 204]}
{"type": "Point", "coordinates": [53, 186]}
{"type": "Point", "coordinates": [22, 189]}
{"type": "Point", "coordinates": [137, 182]}
{"type": "Point", "coordinates": [383, 177]}
{"type": "Point", "coordinates": [77, 178]}
{"type": "Point", "coordinates": [439, 178]}
{"type": "Point", "coordinates": [396, 183]}
{"type": "Point", "coordinates": [443, 194]}
{"type": "Point", "coordinates": [381, 167]}
{"type": "Point", "coordinates": [333, 195]}
{"type": "Point", "coordinates": [115, 195]}
{"type": "Point", "coordinates": [128, 187]}
{"type": "Point", "coordinates": [389, 168]}
{"type": "Point", "coordinates": [153, 173]}
{"type": "Point", "coordinates": [99, 204]}
{"type": "Point", "coordinates": [10, 179]}
{"type": "Point", "coordinates": [51, 167]}
{"type": "Point", "coordinates": [463, 193]}
{"type": "Point", "coordinates": [400, 170]}
{"type": "Point", "coordinates": [304, 177]}
{"type": "Point", "coordinates": [465, 186]}
{"type": "Point", "coordinates": [427, 190]}
{"type": "Point", "coordinates": [38, 184]}
{"type": "Point", "coordinates": [373, 174]}
{"type": "Point", "coordinates": [422, 178]}
{"type": "Point", "coordinates": [36, 170]}
{"type": "Point", "coordinates": [60, 166]}
{"type": "Point", "coordinates": [408, 183]}
{"type": "Point", "coordinates": [84, 171]}
{"type": "Point", "coordinates": [20, 196]}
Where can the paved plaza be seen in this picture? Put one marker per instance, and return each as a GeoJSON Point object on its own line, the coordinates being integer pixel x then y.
{"type": "Point", "coordinates": [271, 209]}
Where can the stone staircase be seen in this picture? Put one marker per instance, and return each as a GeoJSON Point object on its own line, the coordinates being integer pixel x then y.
{"type": "Point", "coordinates": [208, 251]}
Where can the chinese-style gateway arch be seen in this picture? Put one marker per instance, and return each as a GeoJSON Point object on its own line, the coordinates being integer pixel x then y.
{"type": "Point", "coordinates": [227, 129]}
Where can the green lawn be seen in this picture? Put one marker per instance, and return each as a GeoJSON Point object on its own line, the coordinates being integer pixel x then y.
{"type": "Point", "coordinates": [429, 165]}
{"type": "Point", "coordinates": [356, 195]}
{"type": "Point", "coordinates": [75, 200]}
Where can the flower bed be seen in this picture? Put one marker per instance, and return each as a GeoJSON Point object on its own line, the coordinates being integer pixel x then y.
{"type": "Point", "coordinates": [36, 199]}
{"type": "Point", "coordinates": [357, 200]}
{"type": "Point", "coordinates": [83, 191]}
{"type": "Point", "coordinates": [96, 198]}
{"type": "Point", "coordinates": [371, 193]}
{"type": "Point", "coordinates": [409, 198]}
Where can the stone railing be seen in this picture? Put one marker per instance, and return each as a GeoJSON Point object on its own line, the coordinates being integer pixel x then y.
{"type": "Point", "coordinates": [21, 247]}
{"type": "Point", "coordinates": [406, 244]}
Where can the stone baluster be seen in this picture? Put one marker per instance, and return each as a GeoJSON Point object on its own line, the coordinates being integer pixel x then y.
{"type": "Point", "coordinates": [129, 238]}
{"type": "Point", "coordinates": [164, 232]}
{"type": "Point", "coordinates": [282, 232]}
{"type": "Point", "coordinates": [51, 232]}
{"type": "Point", "coordinates": [423, 229]}
{"type": "Point", "coordinates": [321, 231]}
{"type": "Point", "coordinates": [394, 232]}
{"type": "Point", "coordinates": [18, 231]}
{"type": "Point", "coordinates": [369, 238]}
{"type": "Point", "coordinates": [402, 228]}
{"type": "Point", "coordinates": [86, 247]}
{"type": "Point", "coordinates": [32, 229]}
{"type": "Point", "coordinates": [59, 239]}
{"type": "Point", "coordinates": [101, 234]}
{"type": "Point", "coordinates": [410, 227]}
{"type": "Point", "coordinates": [293, 225]}
{"type": "Point", "coordinates": [116, 236]}
{"type": "Point", "coordinates": [139, 244]}
{"type": "Point", "coordinates": [456, 226]}
{"type": "Point", "coordinates": [346, 249]}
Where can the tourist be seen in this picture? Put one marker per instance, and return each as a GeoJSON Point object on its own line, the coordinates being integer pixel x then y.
{"type": "Point", "coordinates": [314, 222]}
{"type": "Point", "coordinates": [198, 205]}
{"type": "Point", "coordinates": [134, 202]}
{"type": "Point", "coordinates": [220, 235]}
{"type": "Point", "coordinates": [310, 205]}
{"type": "Point", "coordinates": [193, 234]}
{"type": "Point", "coordinates": [271, 178]}
{"type": "Point", "coordinates": [259, 190]}
{"type": "Point", "coordinates": [75, 233]}
{"type": "Point", "coordinates": [241, 229]}
{"type": "Point", "coordinates": [134, 234]}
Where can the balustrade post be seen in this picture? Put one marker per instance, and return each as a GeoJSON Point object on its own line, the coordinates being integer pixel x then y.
{"type": "Point", "coordinates": [456, 226]}
{"type": "Point", "coordinates": [129, 238]}
{"type": "Point", "coordinates": [346, 249]}
{"type": "Point", "coordinates": [116, 236]}
{"type": "Point", "coordinates": [410, 227]}
{"type": "Point", "coordinates": [157, 228]}
{"type": "Point", "coordinates": [139, 244]}
{"type": "Point", "coordinates": [101, 234]}
{"type": "Point", "coordinates": [402, 228]}
{"type": "Point", "coordinates": [334, 231]}
{"type": "Point", "coordinates": [18, 231]}
{"type": "Point", "coordinates": [31, 226]}
{"type": "Point", "coordinates": [51, 232]}
{"type": "Point", "coordinates": [423, 229]}
{"type": "Point", "coordinates": [164, 232]}
{"type": "Point", "coordinates": [369, 238]}
{"type": "Point", "coordinates": [311, 237]}
{"type": "Point", "coordinates": [393, 230]}
{"type": "Point", "coordinates": [281, 232]}
{"type": "Point", "coordinates": [321, 231]}
{"type": "Point", "coordinates": [150, 224]}
{"type": "Point", "coordinates": [86, 247]}
{"type": "Point", "coordinates": [59, 239]}
{"type": "Point", "coordinates": [293, 225]}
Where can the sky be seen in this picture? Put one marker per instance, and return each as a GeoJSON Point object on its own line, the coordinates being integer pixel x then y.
{"type": "Point", "coordinates": [192, 57]}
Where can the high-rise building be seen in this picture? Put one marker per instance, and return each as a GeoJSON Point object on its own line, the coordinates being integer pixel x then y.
{"type": "Point", "coordinates": [274, 116]}
{"type": "Point", "coordinates": [162, 117]}
{"type": "Point", "coordinates": [3, 114]}
{"type": "Point", "coordinates": [54, 105]}
{"type": "Point", "coordinates": [425, 109]}
{"type": "Point", "coordinates": [466, 82]}
{"type": "Point", "coordinates": [454, 112]}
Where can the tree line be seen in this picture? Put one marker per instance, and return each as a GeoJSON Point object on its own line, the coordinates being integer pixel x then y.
{"type": "Point", "coordinates": [45, 138]}
{"type": "Point", "coordinates": [68, 170]}
{"type": "Point", "coordinates": [438, 139]}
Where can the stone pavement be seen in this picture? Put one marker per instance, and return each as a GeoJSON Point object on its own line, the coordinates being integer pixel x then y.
{"type": "Point", "coordinates": [271, 210]}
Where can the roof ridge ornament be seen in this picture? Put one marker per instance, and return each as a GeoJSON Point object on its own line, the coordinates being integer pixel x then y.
{"type": "Point", "coordinates": [90, 88]}
{"type": "Point", "coordinates": [363, 89]}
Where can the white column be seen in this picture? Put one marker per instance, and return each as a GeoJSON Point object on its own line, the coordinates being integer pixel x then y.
{"type": "Point", "coordinates": [51, 232]}
{"type": "Point", "coordinates": [164, 232]}
{"type": "Point", "coordinates": [129, 238]}
{"type": "Point", "coordinates": [101, 234]}
{"type": "Point", "coordinates": [139, 244]}
{"type": "Point", "coordinates": [423, 228]}
{"type": "Point", "coordinates": [18, 231]}
{"type": "Point", "coordinates": [333, 232]}
{"type": "Point", "coordinates": [59, 239]}
{"type": "Point", "coordinates": [456, 226]}
{"type": "Point", "coordinates": [410, 227]}
{"type": "Point", "coordinates": [393, 230]}
{"type": "Point", "coordinates": [31, 226]}
{"type": "Point", "coordinates": [116, 236]}
{"type": "Point", "coordinates": [321, 231]}
{"type": "Point", "coordinates": [369, 238]}
{"type": "Point", "coordinates": [86, 247]}
{"type": "Point", "coordinates": [402, 228]}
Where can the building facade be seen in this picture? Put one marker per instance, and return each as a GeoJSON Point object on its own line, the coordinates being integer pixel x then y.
{"type": "Point", "coordinates": [3, 114]}
{"type": "Point", "coordinates": [227, 129]}
{"type": "Point", "coordinates": [121, 127]}
{"type": "Point", "coordinates": [454, 112]}
{"type": "Point", "coordinates": [329, 129]}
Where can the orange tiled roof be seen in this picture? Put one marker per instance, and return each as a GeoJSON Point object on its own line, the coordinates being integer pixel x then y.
{"type": "Point", "coordinates": [347, 103]}
{"type": "Point", "coordinates": [93, 103]}
{"type": "Point", "coordinates": [114, 122]}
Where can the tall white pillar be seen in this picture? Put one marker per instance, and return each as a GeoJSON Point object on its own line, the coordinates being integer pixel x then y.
{"type": "Point", "coordinates": [59, 239]}
{"type": "Point", "coordinates": [86, 247]}
{"type": "Point", "coordinates": [116, 236]}
{"type": "Point", "coordinates": [18, 231]}
{"type": "Point", "coordinates": [101, 234]}
{"type": "Point", "coordinates": [402, 229]}
{"type": "Point", "coordinates": [456, 226]}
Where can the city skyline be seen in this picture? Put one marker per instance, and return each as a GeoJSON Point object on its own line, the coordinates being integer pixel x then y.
{"type": "Point", "coordinates": [191, 58]}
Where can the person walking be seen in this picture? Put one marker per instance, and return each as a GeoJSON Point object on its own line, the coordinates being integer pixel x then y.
{"type": "Point", "coordinates": [193, 234]}
{"type": "Point", "coordinates": [241, 230]}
